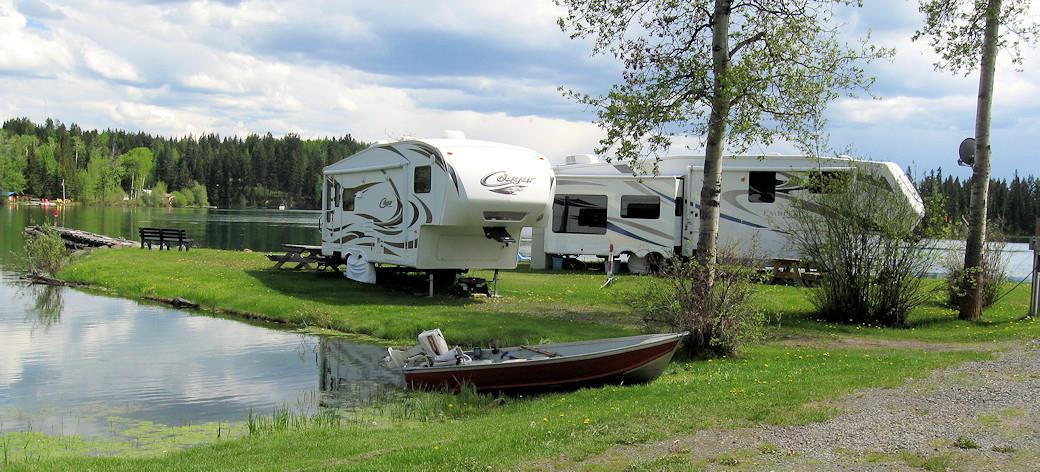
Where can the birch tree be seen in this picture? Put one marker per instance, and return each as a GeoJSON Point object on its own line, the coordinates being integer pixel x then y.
{"type": "Point", "coordinates": [731, 72]}
{"type": "Point", "coordinates": [968, 34]}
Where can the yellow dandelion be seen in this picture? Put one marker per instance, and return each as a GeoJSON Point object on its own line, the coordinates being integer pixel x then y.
{"type": "Point", "coordinates": [586, 421]}
{"type": "Point", "coordinates": [451, 405]}
{"type": "Point", "coordinates": [545, 418]}
{"type": "Point", "coordinates": [561, 415]}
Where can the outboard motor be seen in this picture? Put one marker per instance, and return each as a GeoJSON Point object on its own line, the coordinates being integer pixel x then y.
{"type": "Point", "coordinates": [431, 350]}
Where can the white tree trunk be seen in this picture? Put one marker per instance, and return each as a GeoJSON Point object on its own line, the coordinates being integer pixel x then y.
{"type": "Point", "coordinates": [711, 187]}
{"type": "Point", "coordinates": [971, 304]}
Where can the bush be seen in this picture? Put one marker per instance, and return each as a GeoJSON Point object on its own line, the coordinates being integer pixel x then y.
{"type": "Point", "coordinates": [45, 253]}
{"type": "Point", "coordinates": [719, 320]}
{"type": "Point", "coordinates": [201, 197]}
{"type": "Point", "coordinates": [178, 200]}
{"type": "Point", "coordinates": [994, 271]}
{"type": "Point", "coordinates": [862, 237]}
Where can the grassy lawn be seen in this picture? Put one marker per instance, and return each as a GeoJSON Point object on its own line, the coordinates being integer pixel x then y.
{"type": "Point", "coordinates": [571, 307]}
{"type": "Point", "coordinates": [769, 383]}
{"type": "Point", "coordinates": [791, 312]}
{"type": "Point", "coordinates": [536, 306]}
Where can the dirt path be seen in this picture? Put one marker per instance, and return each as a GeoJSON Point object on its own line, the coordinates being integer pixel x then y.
{"type": "Point", "coordinates": [981, 415]}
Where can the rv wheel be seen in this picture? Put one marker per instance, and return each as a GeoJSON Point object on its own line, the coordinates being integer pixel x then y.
{"type": "Point", "coordinates": [654, 262]}
{"type": "Point", "coordinates": [637, 265]}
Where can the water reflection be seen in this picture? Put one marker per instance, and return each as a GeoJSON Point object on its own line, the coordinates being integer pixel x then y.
{"type": "Point", "coordinates": [48, 305]}
{"type": "Point", "coordinates": [351, 375]}
{"type": "Point", "coordinates": [70, 362]}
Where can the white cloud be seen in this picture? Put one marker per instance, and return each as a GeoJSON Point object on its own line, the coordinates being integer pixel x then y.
{"type": "Point", "coordinates": [108, 64]}
{"type": "Point", "coordinates": [260, 66]}
{"type": "Point", "coordinates": [28, 52]}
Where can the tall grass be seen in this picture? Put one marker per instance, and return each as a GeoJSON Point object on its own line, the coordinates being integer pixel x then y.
{"type": "Point", "coordinates": [283, 419]}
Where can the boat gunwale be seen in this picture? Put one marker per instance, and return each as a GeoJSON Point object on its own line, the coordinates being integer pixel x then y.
{"type": "Point", "coordinates": [662, 339]}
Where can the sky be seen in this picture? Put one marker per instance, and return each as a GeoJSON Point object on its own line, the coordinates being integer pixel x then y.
{"type": "Point", "coordinates": [385, 70]}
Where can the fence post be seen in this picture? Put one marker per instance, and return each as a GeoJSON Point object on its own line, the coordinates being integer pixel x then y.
{"type": "Point", "coordinates": [1034, 294]}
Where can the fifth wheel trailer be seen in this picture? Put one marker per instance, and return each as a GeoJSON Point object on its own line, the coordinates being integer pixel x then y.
{"type": "Point", "coordinates": [646, 217]}
{"type": "Point", "coordinates": [433, 205]}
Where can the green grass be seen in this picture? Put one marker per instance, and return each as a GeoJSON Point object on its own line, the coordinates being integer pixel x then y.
{"type": "Point", "coordinates": [536, 306]}
{"type": "Point", "coordinates": [770, 384]}
{"type": "Point", "coordinates": [571, 307]}
{"type": "Point", "coordinates": [789, 307]}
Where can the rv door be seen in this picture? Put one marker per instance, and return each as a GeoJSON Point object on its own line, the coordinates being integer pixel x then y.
{"type": "Point", "coordinates": [330, 209]}
{"type": "Point", "coordinates": [691, 211]}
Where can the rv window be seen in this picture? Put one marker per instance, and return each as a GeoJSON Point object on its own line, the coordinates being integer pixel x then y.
{"type": "Point", "coordinates": [348, 199]}
{"type": "Point", "coordinates": [584, 214]}
{"type": "Point", "coordinates": [761, 187]}
{"type": "Point", "coordinates": [336, 193]}
{"type": "Point", "coordinates": [329, 188]}
{"type": "Point", "coordinates": [423, 178]}
{"type": "Point", "coordinates": [645, 207]}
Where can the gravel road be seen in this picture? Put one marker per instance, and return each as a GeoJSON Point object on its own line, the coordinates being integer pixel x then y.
{"type": "Point", "coordinates": [981, 415]}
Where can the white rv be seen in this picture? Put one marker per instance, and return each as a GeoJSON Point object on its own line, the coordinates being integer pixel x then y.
{"type": "Point", "coordinates": [649, 217]}
{"type": "Point", "coordinates": [433, 204]}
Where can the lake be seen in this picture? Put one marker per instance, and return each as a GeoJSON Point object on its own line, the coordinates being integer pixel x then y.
{"type": "Point", "coordinates": [78, 363]}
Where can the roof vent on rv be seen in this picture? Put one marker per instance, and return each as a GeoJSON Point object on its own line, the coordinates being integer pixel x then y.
{"type": "Point", "coordinates": [454, 134]}
{"type": "Point", "coordinates": [581, 159]}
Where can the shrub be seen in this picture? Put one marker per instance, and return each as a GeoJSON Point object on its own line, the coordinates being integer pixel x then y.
{"type": "Point", "coordinates": [719, 320]}
{"type": "Point", "coordinates": [178, 200]}
{"type": "Point", "coordinates": [201, 197]}
{"type": "Point", "coordinates": [862, 237]}
{"type": "Point", "coordinates": [45, 253]}
{"type": "Point", "coordinates": [995, 258]}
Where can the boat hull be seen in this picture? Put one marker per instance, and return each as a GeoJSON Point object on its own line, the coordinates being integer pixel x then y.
{"type": "Point", "coordinates": [635, 365]}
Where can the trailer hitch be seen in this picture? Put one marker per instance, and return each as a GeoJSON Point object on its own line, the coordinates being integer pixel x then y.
{"type": "Point", "coordinates": [499, 234]}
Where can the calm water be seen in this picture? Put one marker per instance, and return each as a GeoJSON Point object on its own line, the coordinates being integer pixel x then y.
{"type": "Point", "coordinates": [69, 361]}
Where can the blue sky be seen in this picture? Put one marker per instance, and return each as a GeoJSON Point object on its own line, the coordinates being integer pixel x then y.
{"type": "Point", "coordinates": [381, 70]}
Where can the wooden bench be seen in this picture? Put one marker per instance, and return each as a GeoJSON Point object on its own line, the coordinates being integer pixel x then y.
{"type": "Point", "coordinates": [165, 237]}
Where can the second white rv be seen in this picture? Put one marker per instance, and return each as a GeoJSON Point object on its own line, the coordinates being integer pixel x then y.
{"type": "Point", "coordinates": [433, 204]}
{"type": "Point", "coordinates": [649, 217]}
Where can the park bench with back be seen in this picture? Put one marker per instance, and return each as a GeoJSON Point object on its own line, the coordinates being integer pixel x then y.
{"type": "Point", "coordinates": [165, 237]}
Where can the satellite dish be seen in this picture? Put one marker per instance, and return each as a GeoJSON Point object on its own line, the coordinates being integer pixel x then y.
{"type": "Point", "coordinates": [966, 152]}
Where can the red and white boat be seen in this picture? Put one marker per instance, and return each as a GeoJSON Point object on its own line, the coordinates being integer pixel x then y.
{"type": "Point", "coordinates": [634, 359]}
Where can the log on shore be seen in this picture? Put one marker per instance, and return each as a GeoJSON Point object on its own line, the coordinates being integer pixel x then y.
{"type": "Point", "coordinates": [176, 302]}
{"type": "Point", "coordinates": [75, 239]}
{"type": "Point", "coordinates": [42, 279]}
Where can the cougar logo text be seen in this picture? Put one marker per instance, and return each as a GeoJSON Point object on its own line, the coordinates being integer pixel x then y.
{"type": "Point", "coordinates": [385, 203]}
{"type": "Point", "coordinates": [505, 183]}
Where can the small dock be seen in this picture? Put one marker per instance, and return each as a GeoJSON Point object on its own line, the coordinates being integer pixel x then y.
{"type": "Point", "coordinates": [76, 240]}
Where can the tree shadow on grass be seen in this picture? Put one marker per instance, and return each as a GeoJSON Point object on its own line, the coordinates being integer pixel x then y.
{"type": "Point", "coordinates": [334, 289]}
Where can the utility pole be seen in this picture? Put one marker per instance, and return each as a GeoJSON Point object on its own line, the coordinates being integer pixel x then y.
{"type": "Point", "coordinates": [1034, 294]}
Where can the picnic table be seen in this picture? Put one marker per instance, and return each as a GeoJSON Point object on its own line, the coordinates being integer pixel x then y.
{"type": "Point", "coordinates": [304, 256]}
{"type": "Point", "coordinates": [300, 254]}
{"type": "Point", "coordinates": [791, 271]}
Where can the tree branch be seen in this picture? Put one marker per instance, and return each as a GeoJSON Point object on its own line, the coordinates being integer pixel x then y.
{"type": "Point", "coordinates": [755, 37]}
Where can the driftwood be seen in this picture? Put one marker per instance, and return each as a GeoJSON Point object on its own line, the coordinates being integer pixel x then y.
{"type": "Point", "coordinates": [177, 302]}
{"type": "Point", "coordinates": [75, 239]}
{"type": "Point", "coordinates": [46, 280]}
